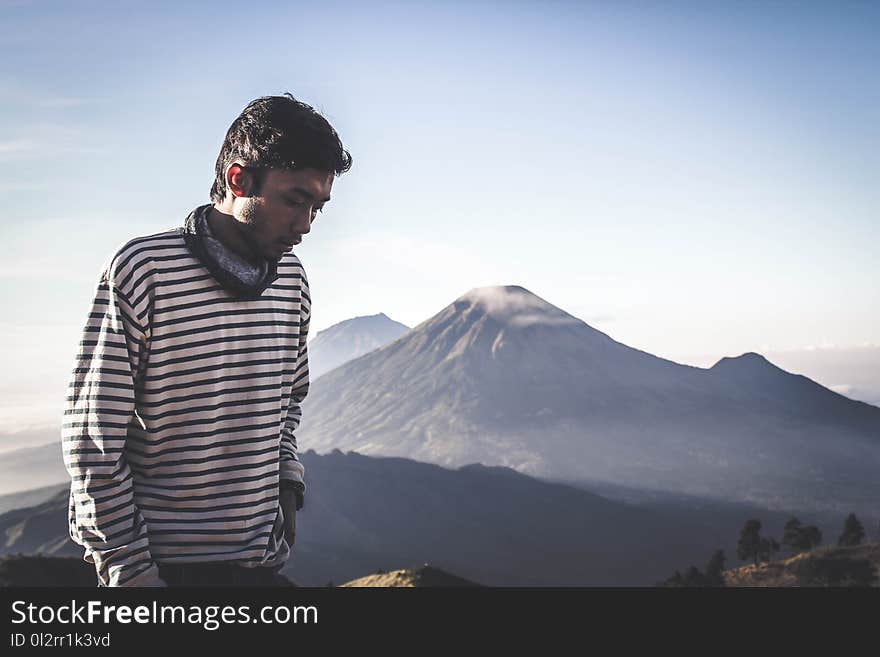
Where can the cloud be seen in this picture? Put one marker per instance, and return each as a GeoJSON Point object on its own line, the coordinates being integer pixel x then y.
{"type": "Point", "coordinates": [830, 346]}
{"type": "Point", "coordinates": [858, 393]}
{"type": "Point", "coordinates": [518, 306]}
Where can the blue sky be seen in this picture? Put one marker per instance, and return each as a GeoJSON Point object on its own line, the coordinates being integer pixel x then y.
{"type": "Point", "coordinates": [697, 180]}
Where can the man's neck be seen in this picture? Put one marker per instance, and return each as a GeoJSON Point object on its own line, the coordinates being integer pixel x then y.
{"type": "Point", "coordinates": [225, 228]}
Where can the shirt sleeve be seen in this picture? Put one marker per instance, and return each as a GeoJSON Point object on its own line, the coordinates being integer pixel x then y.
{"type": "Point", "coordinates": [99, 408]}
{"type": "Point", "coordinates": [291, 470]}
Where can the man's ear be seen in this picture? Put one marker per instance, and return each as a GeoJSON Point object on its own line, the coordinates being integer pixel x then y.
{"type": "Point", "coordinates": [239, 180]}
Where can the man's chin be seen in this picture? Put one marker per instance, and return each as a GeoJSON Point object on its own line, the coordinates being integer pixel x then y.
{"type": "Point", "coordinates": [274, 253]}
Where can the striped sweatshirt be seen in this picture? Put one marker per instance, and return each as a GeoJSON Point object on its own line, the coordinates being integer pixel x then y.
{"type": "Point", "coordinates": [182, 409]}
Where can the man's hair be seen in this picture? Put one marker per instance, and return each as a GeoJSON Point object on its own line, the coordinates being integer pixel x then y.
{"type": "Point", "coordinates": [279, 132]}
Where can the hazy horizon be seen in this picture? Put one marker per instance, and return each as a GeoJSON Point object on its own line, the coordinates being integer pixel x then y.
{"type": "Point", "coordinates": [824, 364]}
{"type": "Point", "coordinates": [696, 180]}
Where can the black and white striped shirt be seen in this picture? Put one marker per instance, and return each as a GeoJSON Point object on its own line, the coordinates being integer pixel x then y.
{"type": "Point", "coordinates": [181, 413]}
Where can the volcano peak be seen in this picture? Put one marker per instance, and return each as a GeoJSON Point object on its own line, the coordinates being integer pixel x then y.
{"type": "Point", "coordinates": [515, 305]}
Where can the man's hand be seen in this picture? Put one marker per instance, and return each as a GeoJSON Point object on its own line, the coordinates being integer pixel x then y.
{"type": "Point", "coordinates": [288, 508]}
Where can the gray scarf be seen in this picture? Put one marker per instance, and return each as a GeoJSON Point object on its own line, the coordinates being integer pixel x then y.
{"type": "Point", "coordinates": [234, 273]}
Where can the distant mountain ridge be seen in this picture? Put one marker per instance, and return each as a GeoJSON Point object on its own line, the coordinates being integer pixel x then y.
{"type": "Point", "coordinates": [351, 339]}
{"type": "Point", "coordinates": [796, 394]}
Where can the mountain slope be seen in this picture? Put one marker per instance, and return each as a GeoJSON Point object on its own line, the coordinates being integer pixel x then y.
{"type": "Point", "coordinates": [489, 525]}
{"type": "Point", "coordinates": [30, 497]}
{"type": "Point", "coordinates": [40, 529]}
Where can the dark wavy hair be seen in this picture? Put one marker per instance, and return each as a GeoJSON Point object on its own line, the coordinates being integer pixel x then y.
{"type": "Point", "coordinates": [279, 132]}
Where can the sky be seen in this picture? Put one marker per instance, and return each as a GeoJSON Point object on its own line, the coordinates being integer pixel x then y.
{"type": "Point", "coordinates": [695, 179]}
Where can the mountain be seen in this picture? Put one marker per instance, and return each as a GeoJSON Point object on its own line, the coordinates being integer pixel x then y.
{"type": "Point", "coordinates": [773, 389]}
{"type": "Point", "coordinates": [490, 525]}
{"type": "Point", "coordinates": [32, 467]}
{"type": "Point", "coordinates": [351, 339]}
{"type": "Point", "coordinates": [40, 529]}
{"type": "Point", "coordinates": [502, 377]}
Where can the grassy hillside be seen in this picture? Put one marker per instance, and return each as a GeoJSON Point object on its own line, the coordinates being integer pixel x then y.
{"type": "Point", "coordinates": [426, 576]}
{"type": "Point", "coordinates": [824, 566]}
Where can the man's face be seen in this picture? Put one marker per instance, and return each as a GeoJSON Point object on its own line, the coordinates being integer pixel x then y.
{"type": "Point", "coordinates": [282, 211]}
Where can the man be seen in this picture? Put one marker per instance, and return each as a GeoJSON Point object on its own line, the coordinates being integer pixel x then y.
{"type": "Point", "coordinates": [178, 432]}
